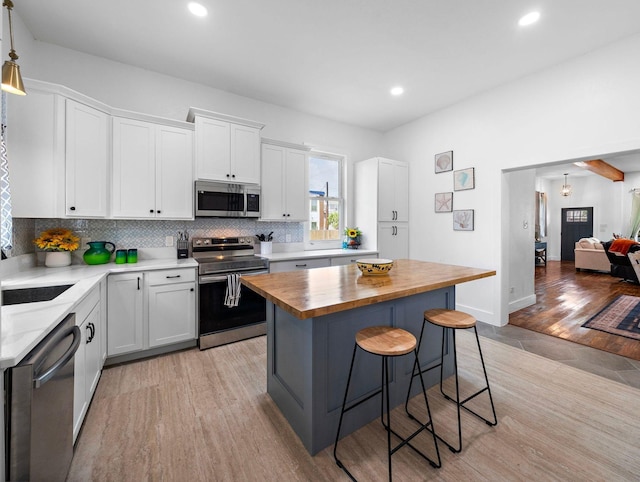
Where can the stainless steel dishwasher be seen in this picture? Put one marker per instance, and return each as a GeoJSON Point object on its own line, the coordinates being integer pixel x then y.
{"type": "Point", "coordinates": [39, 418]}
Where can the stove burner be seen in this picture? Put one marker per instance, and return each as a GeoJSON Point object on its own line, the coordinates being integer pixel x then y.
{"type": "Point", "coordinates": [226, 255]}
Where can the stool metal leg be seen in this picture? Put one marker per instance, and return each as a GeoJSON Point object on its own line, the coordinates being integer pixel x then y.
{"type": "Point", "coordinates": [344, 409]}
{"type": "Point", "coordinates": [461, 403]}
{"type": "Point", "coordinates": [385, 400]}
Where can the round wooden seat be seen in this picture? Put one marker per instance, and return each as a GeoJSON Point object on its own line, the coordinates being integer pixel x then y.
{"type": "Point", "coordinates": [386, 340]}
{"type": "Point", "coordinates": [450, 318]}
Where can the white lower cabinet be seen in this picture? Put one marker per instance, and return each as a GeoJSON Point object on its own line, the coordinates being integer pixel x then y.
{"type": "Point", "coordinates": [172, 306]}
{"type": "Point", "coordinates": [124, 316]}
{"type": "Point", "coordinates": [393, 240]}
{"type": "Point", "coordinates": [293, 265]}
{"type": "Point", "coordinates": [151, 309]}
{"type": "Point", "coordinates": [88, 359]}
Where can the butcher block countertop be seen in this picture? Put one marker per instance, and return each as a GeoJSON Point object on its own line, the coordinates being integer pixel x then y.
{"type": "Point", "coordinates": [322, 291]}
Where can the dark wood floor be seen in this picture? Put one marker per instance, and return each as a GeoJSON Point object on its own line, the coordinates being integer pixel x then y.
{"type": "Point", "coordinates": [565, 299]}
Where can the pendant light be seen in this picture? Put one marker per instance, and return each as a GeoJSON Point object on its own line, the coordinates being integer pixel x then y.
{"type": "Point", "coordinates": [11, 78]}
{"type": "Point", "coordinates": [566, 188]}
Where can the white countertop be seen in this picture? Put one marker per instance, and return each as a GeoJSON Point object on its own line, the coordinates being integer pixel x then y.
{"type": "Point", "coordinates": [23, 326]}
{"type": "Point", "coordinates": [318, 253]}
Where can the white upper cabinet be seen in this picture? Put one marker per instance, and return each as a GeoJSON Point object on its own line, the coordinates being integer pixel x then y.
{"type": "Point", "coordinates": [227, 147]}
{"type": "Point", "coordinates": [174, 173]}
{"type": "Point", "coordinates": [393, 185]}
{"type": "Point", "coordinates": [35, 152]}
{"type": "Point", "coordinates": [152, 170]}
{"type": "Point", "coordinates": [284, 181]}
{"type": "Point", "coordinates": [382, 205]}
{"type": "Point", "coordinates": [87, 160]}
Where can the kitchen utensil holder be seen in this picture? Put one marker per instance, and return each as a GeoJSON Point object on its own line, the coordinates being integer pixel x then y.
{"type": "Point", "coordinates": [266, 247]}
{"type": "Point", "coordinates": [183, 249]}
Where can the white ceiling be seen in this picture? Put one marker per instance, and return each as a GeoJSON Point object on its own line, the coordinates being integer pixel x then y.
{"type": "Point", "coordinates": [337, 58]}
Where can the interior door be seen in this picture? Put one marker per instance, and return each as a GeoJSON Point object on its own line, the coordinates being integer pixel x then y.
{"type": "Point", "coordinates": [576, 223]}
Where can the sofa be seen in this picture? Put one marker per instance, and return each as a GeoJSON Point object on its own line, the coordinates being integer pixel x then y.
{"type": "Point", "coordinates": [590, 254]}
{"type": "Point", "coordinates": [620, 263]}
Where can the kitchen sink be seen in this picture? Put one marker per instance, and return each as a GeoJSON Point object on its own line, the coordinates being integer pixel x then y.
{"type": "Point", "coordinates": [30, 295]}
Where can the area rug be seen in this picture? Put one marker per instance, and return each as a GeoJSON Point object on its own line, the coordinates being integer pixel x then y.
{"type": "Point", "coordinates": [620, 317]}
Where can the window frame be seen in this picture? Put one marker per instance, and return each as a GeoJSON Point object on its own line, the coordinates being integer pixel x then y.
{"type": "Point", "coordinates": [341, 200]}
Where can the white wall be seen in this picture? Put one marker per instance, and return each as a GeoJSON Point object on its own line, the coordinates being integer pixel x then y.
{"type": "Point", "coordinates": [586, 107]}
{"type": "Point", "coordinates": [131, 88]}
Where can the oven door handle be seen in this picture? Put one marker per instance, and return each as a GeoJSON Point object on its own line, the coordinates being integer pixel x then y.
{"type": "Point", "coordinates": [223, 278]}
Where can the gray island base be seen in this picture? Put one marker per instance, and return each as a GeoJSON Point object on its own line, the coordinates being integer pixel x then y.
{"type": "Point", "coordinates": [308, 363]}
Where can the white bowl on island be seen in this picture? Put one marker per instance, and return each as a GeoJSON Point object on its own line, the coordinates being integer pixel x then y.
{"type": "Point", "coordinates": [374, 266]}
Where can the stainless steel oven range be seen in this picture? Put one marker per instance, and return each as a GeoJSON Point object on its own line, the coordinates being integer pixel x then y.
{"type": "Point", "coordinates": [220, 260]}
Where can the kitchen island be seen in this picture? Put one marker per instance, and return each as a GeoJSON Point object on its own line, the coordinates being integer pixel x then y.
{"type": "Point", "coordinates": [312, 318]}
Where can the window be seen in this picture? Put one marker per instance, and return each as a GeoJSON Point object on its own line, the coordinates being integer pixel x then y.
{"type": "Point", "coordinates": [325, 200]}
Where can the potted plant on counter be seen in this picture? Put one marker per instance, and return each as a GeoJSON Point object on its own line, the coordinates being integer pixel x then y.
{"type": "Point", "coordinates": [351, 238]}
{"type": "Point", "coordinates": [58, 244]}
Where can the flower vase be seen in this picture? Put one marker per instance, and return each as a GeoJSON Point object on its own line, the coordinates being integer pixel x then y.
{"type": "Point", "coordinates": [57, 259]}
{"type": "Point", "coordinates": [351, 243]}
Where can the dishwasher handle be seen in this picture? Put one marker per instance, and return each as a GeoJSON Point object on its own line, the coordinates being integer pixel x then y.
{"type": "Point", "coordinates": [43, 378]}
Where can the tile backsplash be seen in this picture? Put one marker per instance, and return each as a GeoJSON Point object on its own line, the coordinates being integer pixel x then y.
{"type": "Point", "coordinates": [150, 233]}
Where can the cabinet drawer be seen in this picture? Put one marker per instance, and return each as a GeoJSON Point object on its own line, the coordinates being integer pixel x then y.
{"type": "Point", "coordinates": [169, 276]}
{"type": "Point", "coordinates": [282, 266]}
{"type": "Point", "coordinates": [83, 308]}
{"type": "Point", "coordinates": [342, 260]}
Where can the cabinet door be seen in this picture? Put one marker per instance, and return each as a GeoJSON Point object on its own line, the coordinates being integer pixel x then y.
{"type": "Point", "coordinates": [213, 149]}
{"type": "Point", "coordinates": [386, 194]}
{"type": "Point", "coordinates": [87, 151]}
{"type": "Point", "coordinates": [295, 195]}
{"type": "Point", "coordinates": [174, 173]}
{"type": "Point", "coordinates": [124, 315]}
{"type": "Point", "coordinates": [93, 355]}
{"type": "Point", "coordinates": [272, 205]}
{"type": "Point", "coordinates": [80, 402]}
{"type": "Point", "coordinates": [245, 154]}
{"type": "Point", "coordinates": [401, 242]}
{"type": "Point", "coordinates": [401, 190]}
{"type": "Point", "coordinates": [393, 240]}
{"type": "Point", "coordinates": [35, 148]}
{"type": "Point", "coordinates": [172, 310]}
{"type": "Point", "coordinates": [133, 169]}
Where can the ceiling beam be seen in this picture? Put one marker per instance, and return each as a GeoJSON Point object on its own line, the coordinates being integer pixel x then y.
{"type": "Point", "coordinates": [600, 167]}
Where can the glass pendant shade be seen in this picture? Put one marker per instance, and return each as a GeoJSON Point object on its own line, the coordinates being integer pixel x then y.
{"type": "Point", "coordinates": [566, 188]}
{"type": "Point", "coordinates": [11, 78]}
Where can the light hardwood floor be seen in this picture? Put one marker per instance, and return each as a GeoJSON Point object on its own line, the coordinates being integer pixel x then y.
{"type": "Point", "coordinates": [565, 299]}
{"type": "Point", "coordinates": [205, 416]}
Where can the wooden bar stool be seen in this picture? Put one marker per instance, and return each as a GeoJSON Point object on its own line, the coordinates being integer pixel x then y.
{"type": "Point", "coordinates": [453, 320]}
{"type": "Point", "coordinates": [386, 342]}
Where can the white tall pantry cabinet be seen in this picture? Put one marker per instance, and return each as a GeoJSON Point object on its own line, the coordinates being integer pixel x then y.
{"type": "Point", "coordinates": [382, 206]}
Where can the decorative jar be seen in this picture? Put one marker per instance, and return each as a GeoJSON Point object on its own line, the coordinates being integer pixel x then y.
{"type": "Point", "coordinates": [57, 259]}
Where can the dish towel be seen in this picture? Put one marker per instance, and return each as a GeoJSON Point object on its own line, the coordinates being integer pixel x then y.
{"type": "Point", "coordinates": [232, 294]}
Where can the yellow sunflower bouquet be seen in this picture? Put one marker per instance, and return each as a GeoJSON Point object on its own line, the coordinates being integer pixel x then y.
{"type": "Point", "coordinates": [57, 239]}
{"type": "Point", "coordinates": [351, 238]}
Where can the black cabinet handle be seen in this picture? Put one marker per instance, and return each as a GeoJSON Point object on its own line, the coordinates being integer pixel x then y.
{"type": "Point", "coordinates": [138, 282]}
{"type": "Point", "coordinates": [174, 276]}
{"type": "Point", "coordinates": [192, 289]}
{"type": "Point", "coordinates": [227, 175]}
{"type": "Point", "coordinates": [301, 265]}
{"type": "Point", "coordinates": [72, 208]}
{"type": "Point", "coordinates": [233, 176]}
{"type": "Point", "coordinates": [150, 210]}
{"type": "Point", "coordinates": [159, 211]}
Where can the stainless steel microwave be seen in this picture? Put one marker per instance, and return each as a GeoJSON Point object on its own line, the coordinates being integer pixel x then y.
{"type": "Point", "coordinates": [226, 200]}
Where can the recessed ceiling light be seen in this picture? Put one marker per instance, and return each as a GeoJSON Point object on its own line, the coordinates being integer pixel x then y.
{"type": "Point", "coordinates": [528, 19]}
{"type": "Point", "coordinates": [397, 91]}
{"type": "Point", "coordinates": [197, 9]}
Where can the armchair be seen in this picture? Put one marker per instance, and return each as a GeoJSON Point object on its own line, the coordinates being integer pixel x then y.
{"type": "Point", "coordinates": [621, 264]}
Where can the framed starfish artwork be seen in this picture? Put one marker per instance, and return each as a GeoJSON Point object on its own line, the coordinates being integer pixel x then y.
{"type": "Point", "coordinates": [444, 202]}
